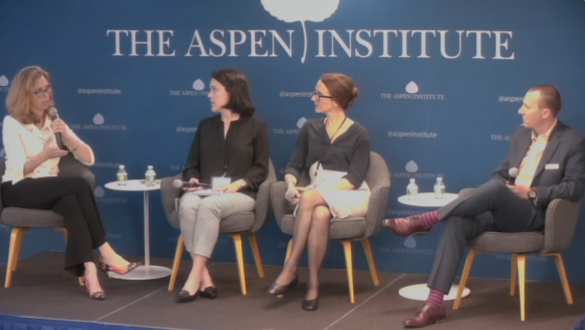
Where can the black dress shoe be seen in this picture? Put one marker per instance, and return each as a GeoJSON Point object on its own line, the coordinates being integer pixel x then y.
{"type": "Point", "coordinates": [209, 292]}
{"type": "Point", "coordinates": [276, 289]}
{"type": "Point", "coordinates": [311, 305]}
{"type": "Point", "coordinates": [184, 296]}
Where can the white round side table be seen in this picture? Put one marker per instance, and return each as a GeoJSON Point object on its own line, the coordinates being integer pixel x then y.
{"type": "Point", "coordinates": [146, 271]}
{"type": "Point", "coordinates": [421, 291]}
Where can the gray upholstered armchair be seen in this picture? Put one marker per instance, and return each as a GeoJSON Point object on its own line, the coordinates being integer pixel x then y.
{"type": "Point", "coordinates": [234, 225]}
{"type": "Point", "coordinates": [349, 229]}
{"type": "Point", "coordinates": [24, 220]}
{"type": "Point", "coordinates": [560, 223]}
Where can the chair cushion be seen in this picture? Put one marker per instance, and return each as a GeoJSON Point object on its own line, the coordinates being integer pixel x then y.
{"type": "Point", "coordinates": [508, 242]}
{"type": "Point", "coordinates": [19, 217]}
{"type": "Point", "coordinates": [351, 227]}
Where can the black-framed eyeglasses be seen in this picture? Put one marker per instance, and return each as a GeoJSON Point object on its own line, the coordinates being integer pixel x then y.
{"type": "Point", "coordinates": [318, 95]}
{"type": "Point", "coordinates": [43, 92]}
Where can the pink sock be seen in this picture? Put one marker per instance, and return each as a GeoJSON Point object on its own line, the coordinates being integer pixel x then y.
{"type": "Point", "coordinates": [429, 219]}
{"type": "Point", "coordinates": [436, 298]}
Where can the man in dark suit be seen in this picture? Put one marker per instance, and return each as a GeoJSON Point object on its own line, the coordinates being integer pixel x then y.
{"type": "Point", "coordinates": [550, 159]}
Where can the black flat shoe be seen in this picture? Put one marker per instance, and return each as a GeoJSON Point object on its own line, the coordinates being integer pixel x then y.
{"type": "Point", "coordinates": [276, 289]}
{"type": "Point", "coordinates": [209, 292]}
{"type": "Point", "coordinates": [184, 296]}
{"type": "Point", "coordinates": [311, 305]}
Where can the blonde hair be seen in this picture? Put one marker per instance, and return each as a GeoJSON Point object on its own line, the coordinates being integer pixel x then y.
{"type": "Point", "coordinates": [21, 93]}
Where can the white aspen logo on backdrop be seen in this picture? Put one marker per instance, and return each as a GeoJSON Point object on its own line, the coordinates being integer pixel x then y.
{"type": "Point", "coordinates": [301, 11]}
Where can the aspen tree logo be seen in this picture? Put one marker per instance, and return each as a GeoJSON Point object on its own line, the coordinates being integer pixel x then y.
{"type": "Point", "coordinates": [412, 88]}
{"type": "Point", "coordinates": [4, 82]}
{"type": "Point", "coordinates": [198, 85]}
{"type": "Point", "coordinates": [410, 242]}
{"type": "Point", "coordinates": [291, 11]}
{"type": "Point", "coordinates": [98, 119]}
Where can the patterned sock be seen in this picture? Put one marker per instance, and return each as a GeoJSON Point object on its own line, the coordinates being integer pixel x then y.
{"type": "Point", "coordinates": [436, 298]}
{"type": "Point", "coordinates": [430, 219]}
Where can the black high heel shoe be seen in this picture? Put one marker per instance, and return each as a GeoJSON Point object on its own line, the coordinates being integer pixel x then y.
{"type": "Point", "coordinates": [276, 289]}
{"type": "Point", "coordinates": [184, 296]}
{"type": "Point", "coordinates": [311, 305]}
{"type": "Point", "coordinates": [98, 295]}
{"type": "Point", "coordinates": [209, 292]}
{"type": "Point", "coordinates": [118, 270]}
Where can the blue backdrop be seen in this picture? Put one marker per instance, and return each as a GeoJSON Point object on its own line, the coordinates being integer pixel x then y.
{"type": "Point", "coordinates": [440, 85]}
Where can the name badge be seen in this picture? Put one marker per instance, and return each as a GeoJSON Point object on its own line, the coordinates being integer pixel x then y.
{"type": "Point", "coordinates": [551, 166]}
{"type": "Point", "coordinates": [219, 181]}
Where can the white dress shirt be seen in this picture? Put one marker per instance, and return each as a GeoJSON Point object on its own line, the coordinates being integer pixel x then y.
{"type": "Point", "coordinates": [22, 142]}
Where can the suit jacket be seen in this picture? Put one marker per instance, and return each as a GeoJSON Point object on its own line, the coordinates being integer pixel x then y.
{"type": "Point", "coordinates": [564, 177]}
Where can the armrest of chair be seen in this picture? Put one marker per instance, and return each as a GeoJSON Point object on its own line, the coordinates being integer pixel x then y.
{"type": "Point", "coordinates": [168, 194]}
{"type": "Point", "coordinates": [278, 202]}
{"type": "Point", "coordinates": [560, 223]}
{"type": "Point", "coordinates": [376, 209]}
{"type": "Point", "coordinates": [262, 206]}
{"type": "Point", "coordinates": [69, 166]}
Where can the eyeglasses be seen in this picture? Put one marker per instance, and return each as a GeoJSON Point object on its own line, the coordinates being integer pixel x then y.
{"type": "Point", "coordinates": [318, 95]}
{"type": "Point", "coordinates": [43, 92]}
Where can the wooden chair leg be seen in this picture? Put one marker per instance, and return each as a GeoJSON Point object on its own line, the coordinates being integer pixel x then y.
{"type": "Point", "coordinates": [18, 247]}
{"type": "Point", "coordinates": [464, 276]}
{"type": "Point", "coordinates": [13, 253]}
{"type": "Point", "coordinates": [62, 229]}
{"type": "Point", "coordinates": [288, 252]}
{"type": "Point", "coordinates": [240, 258]}
{"type": "Point", "coordinates": [349, 266]}
{"type": "Point", "coordinates": [256, 252]}
{"type": "Point", "coordinates": [370, 258]}
{"type": "Point", "coordinates": [177, 262]}
{"type": "Point", "coordinates": [521, 262]}
{"type": "Point", "coordinates": [514, 275]}
{"type": "Point", "coordinates": [563, 276]}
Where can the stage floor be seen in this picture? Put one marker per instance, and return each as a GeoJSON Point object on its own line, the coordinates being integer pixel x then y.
{"type": "Point", "coordinates": [40, 288]}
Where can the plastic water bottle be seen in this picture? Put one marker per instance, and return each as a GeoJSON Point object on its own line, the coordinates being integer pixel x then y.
{"type": "Point", "coordinates": [122, 176]}
{"type": "Point", "coordinates": [439, 188]}
{"type": "Point", "coordinates": [412, 190]}
{"type": "Point", "coordinates": [150, 176]}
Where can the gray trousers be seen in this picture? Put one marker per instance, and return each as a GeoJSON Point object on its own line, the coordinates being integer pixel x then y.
{"type": "Point", "coordinates": [200, 217]}
{"type": "Point", "coordinates": [491, 207]}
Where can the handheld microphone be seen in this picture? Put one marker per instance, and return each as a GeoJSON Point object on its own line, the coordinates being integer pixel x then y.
{"type": "Point", "coordinates": [178, 183]}
{"type": "Point", "coordinates": [513, 173]}
{"type": "Point", "coordinates": [55, 115]}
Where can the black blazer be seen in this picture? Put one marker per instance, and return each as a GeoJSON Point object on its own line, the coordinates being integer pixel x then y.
{"type": "Point", "coordinates": [565, 148]}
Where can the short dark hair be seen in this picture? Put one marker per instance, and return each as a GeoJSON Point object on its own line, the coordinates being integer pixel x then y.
{"type": "Point", "coordinates": [549, 97]}
{"type": "Point", "coordinates": [236, 85]}
{"type": "Point", "coordinates": [341, 88]}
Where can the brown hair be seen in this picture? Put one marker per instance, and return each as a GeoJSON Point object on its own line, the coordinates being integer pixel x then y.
{"type": "Point", "coordinates": [549, 98]}
{"type": "Point", "coordinates": [236, 85]}
{"type": "Point", "coordinates": [21, 93]}
{"type": "Point", "coordinates": [341, 88]}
